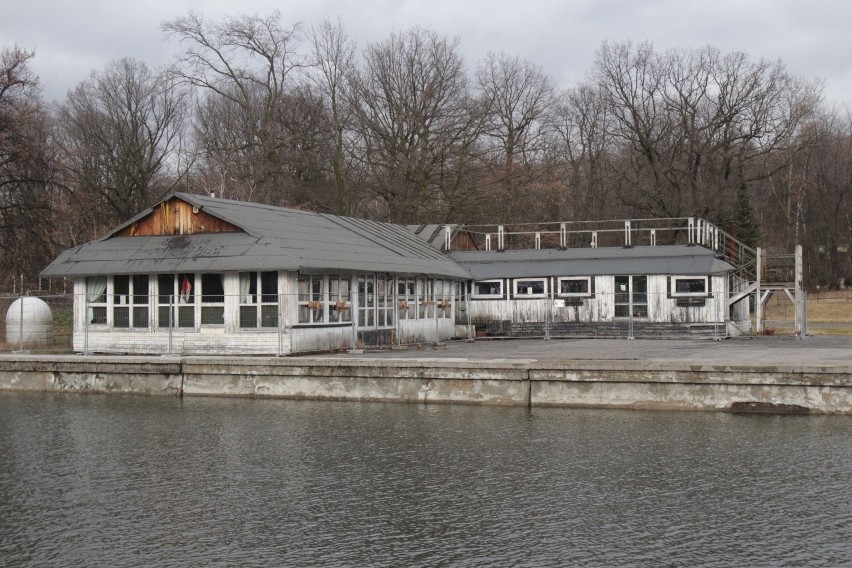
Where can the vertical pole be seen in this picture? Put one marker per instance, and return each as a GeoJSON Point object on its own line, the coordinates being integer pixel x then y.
{"type": "Point", "coordinates": [797, 291]}
{"type": "Point", "coordinates": [547, 316]}
{"type": "Point", "coordinates": [21, 325]}
{"type": "Point", "coordinates": [630, 335]}
{"type": "Point", "coordinates": [171, 320]}
{"type": "Point", "coordinates": [758, 304]}
{"type": "Point", "coordinates": [86, 322]}
{"type": "Point", "coordinates": [353, 309]}
{"type": "Point", "coordinates": [469, 317]}
{"type": "Point", "coordinates": [280, 325]}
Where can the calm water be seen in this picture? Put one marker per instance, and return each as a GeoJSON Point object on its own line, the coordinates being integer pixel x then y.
{"type": "Point", "coordinates": [138, 481]}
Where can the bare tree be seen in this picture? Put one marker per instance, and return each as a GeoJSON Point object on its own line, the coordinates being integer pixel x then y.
{"type": "Point", "coordinates": [28, 191]}
{"type": "Point", "coordinates": [334, 56]}
{"type": "Point", "coordinates": [694, 124]}
{"type": "Point", "coordinates": [417, 125]}
{"type": "Point", "coordinates": [121, 132]}
{"type": "Point", "coordinates": [243, 64]}
{"type": "Point", "coordinates": [825, 176]}
{"type": "Point", "coordinates": [519, 95]}
{"type": "Point", "coordinates": [579, 137]}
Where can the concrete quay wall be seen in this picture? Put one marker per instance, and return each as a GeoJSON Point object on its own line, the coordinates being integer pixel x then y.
{"type": "Point", "coordinates": [599, 384]}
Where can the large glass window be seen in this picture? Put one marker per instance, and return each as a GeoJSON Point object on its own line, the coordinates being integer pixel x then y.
{"type": "Point", "coordinates": [426, 297]}
{"type": "Point", "coordinates": [406, 299]}
{"type": "Point", "coordinates": [130, 301]}
{"type": "Point", "coordinates": [258, 299]}
{"type": "Point", "coordinates": [311, 299]}
{"type": "Point", "coordinates": [96, 299]}
{"type": "Point", "coordinates": [339, 302]}
{"type": "Point", "coordinates": [176, 300]}
{"type": "Point", "coordinates": [443, 298]}
{"type": "Point", "coordinates": [384, 301]}
{"type": "Point", "coordinates": [366, 301]}
{"type": "Point", "coordinates": [212, 299]}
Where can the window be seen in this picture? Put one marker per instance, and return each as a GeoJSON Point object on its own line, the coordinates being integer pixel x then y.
{"type": "Point", "coordinates": [176, 300]}
{"type": "Point", "coordinates": [366, 301]}
{"type": "Point", "coordinates": [212, 300]}
{"type": "Point", "coordinates": [426, 298]}
{"type": "Point", "coordinates": [575, 286]}
{"type": "Point", "coordinates": [488, 289]}
{"type": "Point", "coordinates": [96, 299]}
{"type": "Point", "coordinates": [406, 298]}
{"type": "Point", "coordinates": [258, 309]}
{"type": "Point", "coordinates": [531, 288]}
{"type": "Point", "coordinates": [339, 304]}
{"type": "Point", "coordinates": [130, 301]}
{"type": "Point", "coordinates": [165, 300]}
{"type": "Point", "coordinates": [686, 286]}
{"type": "Point", "coordinates": [384, 301]}
{"type": "Point", "coordinates": [443, 298]}
{"type": "Point", "coordinates": [311, 298]}
{"type": "Point", "coordinates": [631, 293]}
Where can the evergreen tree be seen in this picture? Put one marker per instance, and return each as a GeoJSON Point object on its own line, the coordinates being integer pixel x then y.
{"type": "Point", "coordinates": [746, 223]}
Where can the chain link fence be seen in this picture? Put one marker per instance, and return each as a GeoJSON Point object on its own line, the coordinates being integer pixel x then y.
{"type": "Point", "coordinates": [323, 320]}
{"type": "Point", "coordinates": [37, 323]}
{"type": "Point", "coordinates": [604, 315]}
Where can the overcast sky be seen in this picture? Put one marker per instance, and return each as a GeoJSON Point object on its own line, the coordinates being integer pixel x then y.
{"type": "Point", "coordinates": [812, 37]}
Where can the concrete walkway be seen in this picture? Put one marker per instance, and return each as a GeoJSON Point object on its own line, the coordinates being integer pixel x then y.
{"type": "Point", "coordinates": [823, 350]}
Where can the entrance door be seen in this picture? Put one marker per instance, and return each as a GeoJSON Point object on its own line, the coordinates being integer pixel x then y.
{"type": "Point", "coordinates": [631, 293]}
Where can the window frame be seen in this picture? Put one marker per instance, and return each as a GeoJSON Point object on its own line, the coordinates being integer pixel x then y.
{"type": "Point", "coordinates": [526, 295]}
{"type": "Point", "coordinates": [311, 301]}
{"type": "Point", "coordinates": [673, 280]}
{"type": "Point", "coordinates": [339, 299]}
{"type": "Point", "coordinates": [406, 296]}
{"type": "Point", "coordinates": [136, 304]}
{"type": "Point", "coordinates": [590, 288]}
{"type": "Point", "coordinates": [258, 299]}
{"type": "Point", "coordinates": [99, 305]}
{"type": "Point", "coordinates": [476, 295]}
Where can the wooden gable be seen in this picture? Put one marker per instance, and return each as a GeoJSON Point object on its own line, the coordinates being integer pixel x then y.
{"type": "Point", "coordinates": [176, 217]}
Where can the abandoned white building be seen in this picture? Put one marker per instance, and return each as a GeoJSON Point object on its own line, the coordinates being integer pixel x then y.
{"type": "Point", "coordinates": [659, 290]}
{"type": "Point", "coordinates": [198, 274]}
{"type": "Point", "coordinates": [202, 275]}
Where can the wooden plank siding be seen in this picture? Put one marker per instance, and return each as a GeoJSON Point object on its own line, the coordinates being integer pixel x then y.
{"type": "Point", "coordinates": [177, 217]}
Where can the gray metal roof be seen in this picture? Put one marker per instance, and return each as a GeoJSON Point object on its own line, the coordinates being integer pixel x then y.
{"type": "Point", "coordinates": [275, 238]}
{"type": "Point", "coordinates": [432, 234]}
{"type": "Point", "coordinates": [673, 259]}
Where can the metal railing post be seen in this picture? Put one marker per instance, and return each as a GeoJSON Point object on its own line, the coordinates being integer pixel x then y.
{"type": "Point", "coordinates": [21, 325]}
{"type": "Point", "coordinates": [469, 318]}
{"type": "Point", "coordinates": [86, 309]}
{"type": "Point", "coordinates": [171, 320]}
{"type": "Point", "coordinates": [547, 315]}
{"type": "Point", "coordinates": [630, 335]}
{"type": "Point", "coordinates": [280, 325]}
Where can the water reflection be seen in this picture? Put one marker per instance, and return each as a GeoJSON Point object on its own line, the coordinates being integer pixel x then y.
{"type": "Point", "coordinates": [111, 480]}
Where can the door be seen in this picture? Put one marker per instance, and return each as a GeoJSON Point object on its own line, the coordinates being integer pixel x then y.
{"type": "Point", "coordinates": [631, 295]}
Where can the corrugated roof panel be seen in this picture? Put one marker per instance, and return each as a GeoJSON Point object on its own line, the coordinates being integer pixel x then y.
{"type": "Point", "coordinates": [677, 259]}
{"type": "Point", "coordinates": [274, 239]}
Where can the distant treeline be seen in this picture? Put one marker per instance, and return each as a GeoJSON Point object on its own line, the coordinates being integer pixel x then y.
{"type": "Point", "coordinates": [404, 130]}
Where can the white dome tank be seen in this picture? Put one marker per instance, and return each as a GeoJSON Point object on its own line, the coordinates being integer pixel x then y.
{"type": "Point", "coordinates": [29, 319]}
